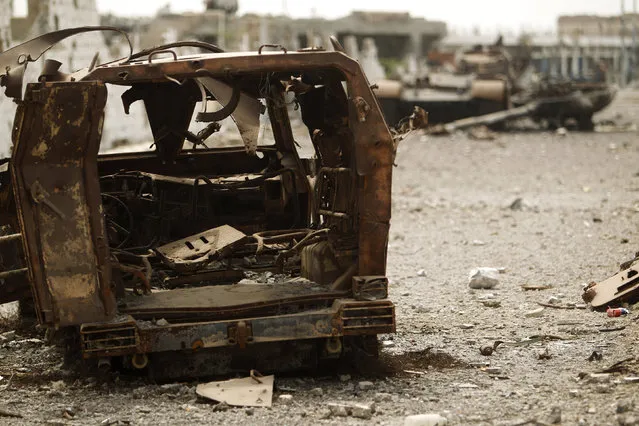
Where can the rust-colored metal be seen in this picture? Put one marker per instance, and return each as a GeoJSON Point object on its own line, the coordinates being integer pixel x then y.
{"type": "Point", "coordinates": [54, 171]}
{"type": "Point", "coordinates": [156, 217]}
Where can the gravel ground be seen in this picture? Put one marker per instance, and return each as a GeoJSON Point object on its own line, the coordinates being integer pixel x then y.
{"type": "Point", "coordinates": [578, 220]}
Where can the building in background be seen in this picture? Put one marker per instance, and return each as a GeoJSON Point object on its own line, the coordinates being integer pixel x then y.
{"type": "Point", "coordinates": [597, 26]}
{"type": "Point", "coordinates": [50, 15]}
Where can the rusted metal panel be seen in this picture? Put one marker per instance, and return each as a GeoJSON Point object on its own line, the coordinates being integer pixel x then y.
{"type": "Point", "coordinates": [344, 317]}
{"type": "Point", "coordinates": [198, 250]}
{"type": "Point", "coordinates": [58, 201]}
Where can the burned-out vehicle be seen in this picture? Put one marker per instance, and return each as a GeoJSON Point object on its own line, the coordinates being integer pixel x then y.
{"type": "Point", "coordinates": [151, 258]}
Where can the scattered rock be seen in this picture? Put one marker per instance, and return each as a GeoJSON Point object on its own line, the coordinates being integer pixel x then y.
{"type": "Point", "coordinates": [425, 420]}
{"type": "Point", "coordinates": [361, 411]}
{"type": "Point", "coordinates": [382, 397]}
{"type": "Point", "coordinates": [317, 391]}
{"type": "Point", "coordinates": [544, 355]}
{"type": "Point", "coordinates": [249, 411]}
{"type": "Point", "coordinates": [388, 344]}
{"type": "Point", "coordinates": [627, 420]}
{"type": "Point", "coordinates": [562, 131]}
{"type": "Point", "coordinates": [482, 133]}
{"type": "Point", "coordinates": [222, 406]}
{"type": "Point", "coordinates": [421, 273]}
{"type": "Point", "coordinates": [625, 405]}
{"type": "Point", "coordinates": [171, 388]}
{"type": "Point", "coordinates": [591, 410]}
{"type": "Point", "coordinates": [286, 398]}
{"type": "Point", "coordinates": [338, 410]}
{"type": "Point", "coordinates": [58, 385]}
{"type": "Point", "coordinates": [493, 370]}
{"type": "Point", "coordinates": [344, 377]}
{"type": "Point", "coordinates": [7, 336]}
{"type": "Point", "coordinates": [535, 313]}
{"type": "Point", "coordinates": [603, 378]}
{"type": "Point", "coordinates": [555, 416]}
{"type": "Point", "coordinates": [478, 243]}
{"type": "Point", "coordinates": [517, 205]}
{"type": "Point", "coordinates": [483, 278]}
{"type": "Point", "coordinates": [553, 300]}
{"type": "Point", "coordinates": [162, 322]}
{"type": "Point", "coordinates": [364, 386]}
{"type": "Point", "coordinates": [595, 356]}
{"type": "Point", "coordinates": [491, 303]}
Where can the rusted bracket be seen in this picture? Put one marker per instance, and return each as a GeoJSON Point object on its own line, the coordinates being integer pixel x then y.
{"type": "Point", "coordinates": [363, 108]}
{"type": "Point", "coordinates": [240, 334]}
{"type": "Point", "coordinates": [274, 46]}
{"type": "Point", "coordinates": [41, 196]}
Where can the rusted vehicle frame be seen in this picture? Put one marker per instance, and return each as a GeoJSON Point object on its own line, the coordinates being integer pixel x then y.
{"type": "Point", "coordinates": [354, 302]}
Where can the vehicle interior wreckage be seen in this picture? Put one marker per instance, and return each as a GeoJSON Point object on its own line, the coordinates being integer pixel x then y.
{"type": "Point", "coordinates": [269, 255]}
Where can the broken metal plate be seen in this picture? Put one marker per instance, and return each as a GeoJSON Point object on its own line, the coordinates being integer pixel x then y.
{"type": "Point", "coordinates": [195, 252]}
{"type": "Point", "coordinates": [246, 392]}
{"type": "Point", "coordinates": [620, 287]}
{"type": "Point", "coordinates": [247, 114]}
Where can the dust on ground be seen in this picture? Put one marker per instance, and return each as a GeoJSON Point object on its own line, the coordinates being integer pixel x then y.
{"type": "Point", "coordinates": [577, 220]}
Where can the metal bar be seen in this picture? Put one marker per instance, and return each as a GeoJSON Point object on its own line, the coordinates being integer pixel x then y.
{"type": "Point", "coordinates": [334, 214]}
{"type": "Point", "coordinates": [12, 273]}
{"type": "Point", "coordinates": [9, 238]}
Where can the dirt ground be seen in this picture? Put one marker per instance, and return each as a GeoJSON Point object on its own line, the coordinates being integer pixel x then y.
{"type": "Point", "coordinates": [579, 218]}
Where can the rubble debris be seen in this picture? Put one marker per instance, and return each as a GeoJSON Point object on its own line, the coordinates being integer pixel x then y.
{"type": "Point", "coordinates": [553, 300]}
{"type": "Point", "coordinates": [483, 278]}
{"type": "Point", "coordinates": [7, 413]}
{"type": "Point", "coordinates": [555, 416]}
{"type": "Point", "coordinates": [562, 131]}
{"type": "Point", "coordinates": [7, 336]}
{"type": "Point", "coordinates": [595, 356]}
{"type": "Point", "coordinates": [286, 398]}
{"type": "Point", "coordinates": [488, 350]}
{"type": "Point", "coordinates": [361, 411]}
{"type": "Point", "coordinates": [535, 313]}
{"type": "Point", "coordinates": [617, 312]}
{"type": "Point", "coordinates": [421, 273]}
{"type": "Point", "coordinates": [529, 287]}
{"type": "Point", "coordinates": [317, 391]}
{"type": "Point", "coordinates": [365, 385]}
{"type": "Point", "coordinates": [607, 330]}
{"type": "Point", "coordinates": [431, 419]}
{"type": "Point", "coordinates": [618, 367]}
{"type": "Point", "coordinates": [621, 287]}
{"type": "Point", "coordinates": [491, 303]}
{"type": "Point", "coordinates": [517, 204]}
{"type": "Point", "coordinates": [544, 355]}
{"type": "Point", "coordinates": [624, 405]}
{"type": "Point", "coordinates": [344, 377]}
{"type": "Point", "coordinates": [253, 391]}
{"type": "Point", "coordinates": [482, 133]}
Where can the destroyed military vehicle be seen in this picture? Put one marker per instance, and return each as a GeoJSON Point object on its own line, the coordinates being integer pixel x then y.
{"type": "Point", "coordinates": [195, 259]}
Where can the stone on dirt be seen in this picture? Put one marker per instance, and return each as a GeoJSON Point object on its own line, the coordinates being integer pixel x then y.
{"type": "Point", "coordinates": [286, 398]}
{"type": "Point", "coordinates": [317, 391]}
{"type": "Point", "coordinates": [361, 411]}
{"type": "Point", "coordinates": [7, 336]}
{"type": "Point", "coordinates": [483, 278]}
{"type": "Point", "coordinates": [555, 416]}
{"type": "Point", "coordinates": [431, 419]}
{"type": "Point", "coordinates": [535, 313]}
{"type": "Point", "coordinates": [625, 405]}
{"type": "Point", "coordinates": [366, 385]}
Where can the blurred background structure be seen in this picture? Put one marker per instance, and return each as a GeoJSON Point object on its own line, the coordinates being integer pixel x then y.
{"type": "Point", "coordinates": [394, 45]}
